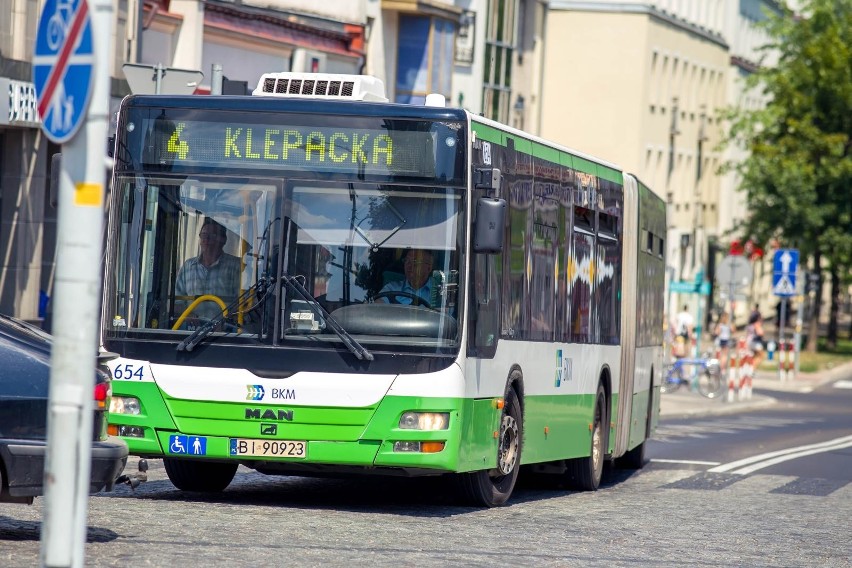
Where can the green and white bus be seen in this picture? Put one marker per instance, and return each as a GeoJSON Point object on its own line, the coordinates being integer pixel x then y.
{"type": "Point", "coordinates": [539, 343]}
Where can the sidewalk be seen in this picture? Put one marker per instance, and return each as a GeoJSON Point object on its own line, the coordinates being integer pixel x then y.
{"type": "Point", "coordinates": [687, 404]}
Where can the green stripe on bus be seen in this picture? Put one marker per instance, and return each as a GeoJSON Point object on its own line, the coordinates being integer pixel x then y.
{"type": "Point", "coordinates": [546, 153]}
{"type": "Point", "coordinates": [610, 174]}
{"type": "Point", "coordinates": [585, 166]}
{"type": "Point", "coordinates": [537, 150]}
{"type": "Point", "coordinates": [487, 133]}
{"type": "Point", "coordinates": [555, 427]}
{"type": "Point", "coordinates": [522, 145]}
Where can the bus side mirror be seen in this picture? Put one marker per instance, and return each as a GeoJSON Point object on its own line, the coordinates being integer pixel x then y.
{"type": "Point", "coordinates": [490, 221]}
{"type": "Point", "coordinates": [55, 170]}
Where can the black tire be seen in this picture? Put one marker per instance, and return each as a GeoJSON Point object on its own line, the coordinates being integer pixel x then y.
{"type": "Point", "coordinates": [491, 488]}
{"type": "Point", "coordinates": [585, 473]}
{"type": "Point", "coordinates": [203, 476]}
{"type": "Point", "coordinates": [710, 382]}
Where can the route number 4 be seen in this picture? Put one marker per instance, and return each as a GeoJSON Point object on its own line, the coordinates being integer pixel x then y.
{"type": "Point", "coordinates": [175, 144]}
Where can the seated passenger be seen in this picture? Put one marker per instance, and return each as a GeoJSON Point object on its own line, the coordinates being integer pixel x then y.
{"type": "Point", "coordinates": [417, 264]}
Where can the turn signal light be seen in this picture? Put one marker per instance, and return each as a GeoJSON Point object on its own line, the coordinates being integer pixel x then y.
{"type": "Point", "coordinates": [419, 447]}
{"type": "Point", "coordinates": [431, 447]}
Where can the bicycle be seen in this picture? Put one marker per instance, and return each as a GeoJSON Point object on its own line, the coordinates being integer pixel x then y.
{"type": "Point", "coordinates": [704, 375]}
{"type": "Point", "coordinates": [58, 24]}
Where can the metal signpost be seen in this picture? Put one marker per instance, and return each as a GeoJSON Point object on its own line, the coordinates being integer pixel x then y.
{"type": "Point", "coordinates": [784, 266]}
{"type": "Point", "coordinates": [159, 80]}
{"type": "Point", "coordinates": [70, 67]}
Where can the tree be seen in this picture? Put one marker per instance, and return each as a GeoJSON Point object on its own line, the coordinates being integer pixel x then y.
{"type": "Point", "coordinates": [798, 173]}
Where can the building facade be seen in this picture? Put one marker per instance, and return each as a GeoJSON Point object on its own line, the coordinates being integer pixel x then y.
{"type": "Point", "coordinates": [638, 83]}
{"type": "Point", "coordinates": [645, 84]}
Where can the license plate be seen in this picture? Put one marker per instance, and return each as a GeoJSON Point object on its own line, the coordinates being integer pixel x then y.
{"type": "Point", "coordinates": [270, 448]}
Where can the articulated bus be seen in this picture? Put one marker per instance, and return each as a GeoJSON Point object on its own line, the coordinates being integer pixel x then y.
{"type": "Point", "coordinates": [539, 343]}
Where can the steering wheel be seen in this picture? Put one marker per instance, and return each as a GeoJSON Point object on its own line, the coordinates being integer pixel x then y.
{"type": "Point", "coordinates": [392, 298]}
{"type": "Point", "coordinates": [191, 308]}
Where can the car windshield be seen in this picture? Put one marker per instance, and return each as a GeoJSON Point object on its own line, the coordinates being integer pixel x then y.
{"type": "Point", "coordinates": [374, 262]}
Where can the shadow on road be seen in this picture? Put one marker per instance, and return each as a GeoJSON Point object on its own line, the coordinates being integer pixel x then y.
{"type": "Point", "coordinates": [19, 530]}
{"type": "Point", "coordinates": [416, 497]}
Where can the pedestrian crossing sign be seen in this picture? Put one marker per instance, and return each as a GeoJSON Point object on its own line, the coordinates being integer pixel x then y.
{"type": "Point", "coordinates": [784, 287]}
{"type": "Point", "coordinates": [784, 266]}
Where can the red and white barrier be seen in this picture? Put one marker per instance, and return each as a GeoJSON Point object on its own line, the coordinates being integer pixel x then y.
{"type": "Point", "coordinates": [740, 373]}
{"type": "Point", "coordinates": [786, 360]}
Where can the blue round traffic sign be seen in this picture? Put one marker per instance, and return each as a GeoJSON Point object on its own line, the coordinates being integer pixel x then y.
{"type": "Point", "coordinates": [63, 63]}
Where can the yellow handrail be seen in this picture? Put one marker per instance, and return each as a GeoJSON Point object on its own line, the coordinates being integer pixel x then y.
{"type": "Point", "coordinates": [198, 300]}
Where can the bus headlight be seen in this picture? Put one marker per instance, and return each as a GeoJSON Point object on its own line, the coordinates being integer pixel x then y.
{"type": "Point", "coordinates": [124, 405]}
{"type": "Point", "coordinates": [424, 420]}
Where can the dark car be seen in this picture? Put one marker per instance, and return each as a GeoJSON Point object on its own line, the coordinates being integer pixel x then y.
{"type": "Point", "coordinates": [24, 381]}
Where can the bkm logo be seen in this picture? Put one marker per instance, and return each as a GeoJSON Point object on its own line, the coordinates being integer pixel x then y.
{"type": "Point", "coordinates": [255, 392]}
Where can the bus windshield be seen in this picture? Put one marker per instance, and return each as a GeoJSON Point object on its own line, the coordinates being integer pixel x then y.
{"type": "Point", "coordinates": [379, 261]}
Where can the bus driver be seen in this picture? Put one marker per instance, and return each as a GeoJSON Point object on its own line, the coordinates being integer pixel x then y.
{"type": "Point", "coordinates": [417, 265]}
{"type": "Point", "coordinates": [213, 271]}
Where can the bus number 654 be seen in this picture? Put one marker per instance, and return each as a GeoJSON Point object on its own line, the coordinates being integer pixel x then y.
{"type": "Point", "coordinates": [128, 372]}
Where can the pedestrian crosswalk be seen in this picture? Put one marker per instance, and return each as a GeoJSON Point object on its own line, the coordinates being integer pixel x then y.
{"type": "Point", "coordinates": [674, 433]}
{"type": "Point", "coordinates": [668, 476]}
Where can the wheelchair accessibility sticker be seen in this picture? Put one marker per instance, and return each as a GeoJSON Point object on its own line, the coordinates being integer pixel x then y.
{"type": "Point", "coordinates": [188, 445]}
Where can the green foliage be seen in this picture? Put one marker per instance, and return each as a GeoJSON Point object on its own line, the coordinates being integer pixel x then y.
{"type": "Point", "coordinates": [798, 175]}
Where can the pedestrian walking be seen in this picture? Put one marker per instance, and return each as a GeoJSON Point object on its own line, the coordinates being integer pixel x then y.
{"type": "Point", "coordinates": [723, 333]}
{"type": "Point", "coordinates": [754, 334]}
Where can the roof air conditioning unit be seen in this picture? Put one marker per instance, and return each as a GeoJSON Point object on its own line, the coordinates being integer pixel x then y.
{"type": "Point", "coordinates": [321, 86]}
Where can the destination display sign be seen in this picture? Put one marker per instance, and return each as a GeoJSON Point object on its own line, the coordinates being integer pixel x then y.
{"type": "Point", "coordinates": [419, 150]}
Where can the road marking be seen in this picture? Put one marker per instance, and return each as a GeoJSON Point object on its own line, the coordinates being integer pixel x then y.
{"type": "Point", "coordinates": [674, 433]}
{"type": "Point", "coordinates": [753, 463]}
{"type": "Point", "coordinates": [843, 385]}
{"type": "Point", "coordinates": [690, 462]}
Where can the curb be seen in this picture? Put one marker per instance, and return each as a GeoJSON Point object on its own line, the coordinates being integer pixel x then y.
{"type": "Point", "coordinates": [691, 405]}
{"type": "Point", "coordinates": [714, 407]}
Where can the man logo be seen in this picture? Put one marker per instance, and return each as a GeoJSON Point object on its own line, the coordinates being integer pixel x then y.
{"type": "Point", "coordinates": [269, 414]}
{"type": "Point", "coordinates": [255, 392]}
{"type": "Point", "coordinates": [268, 429]}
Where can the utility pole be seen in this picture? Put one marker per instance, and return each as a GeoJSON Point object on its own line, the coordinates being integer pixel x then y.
{"type": "Point", "coordinates": [72, 70]}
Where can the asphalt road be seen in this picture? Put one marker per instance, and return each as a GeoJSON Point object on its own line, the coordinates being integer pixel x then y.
{"type": "Point", "coordinates": [670, 513]}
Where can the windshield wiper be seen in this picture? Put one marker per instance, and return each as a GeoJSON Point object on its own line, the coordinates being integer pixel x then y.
{"type": "Point", "coordinates": [261, 288]}
{"type": "Point", "coordinates": [351, 343]}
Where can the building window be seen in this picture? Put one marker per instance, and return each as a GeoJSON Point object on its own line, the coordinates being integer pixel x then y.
{"type": "Point", "coordinates": [425, 61]}
{"type": "Point", "coordinates": [500, 43]}
{"type": "Point", "coordinates": [466, 37]}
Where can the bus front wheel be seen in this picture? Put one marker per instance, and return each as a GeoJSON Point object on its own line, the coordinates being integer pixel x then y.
{"type": "Point", "coordinates": [202, 476]}
{"type": "Point", "coordinates": [585, 473]}
{"type": "Point", "coordinates": [491, 488]}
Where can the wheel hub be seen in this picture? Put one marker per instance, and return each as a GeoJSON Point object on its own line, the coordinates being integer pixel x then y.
{"type": "Point", "coordinates": [508, 450]}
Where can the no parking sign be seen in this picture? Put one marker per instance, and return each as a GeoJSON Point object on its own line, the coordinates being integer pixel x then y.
{"type": "Point", "coordinates": [63, 64]}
